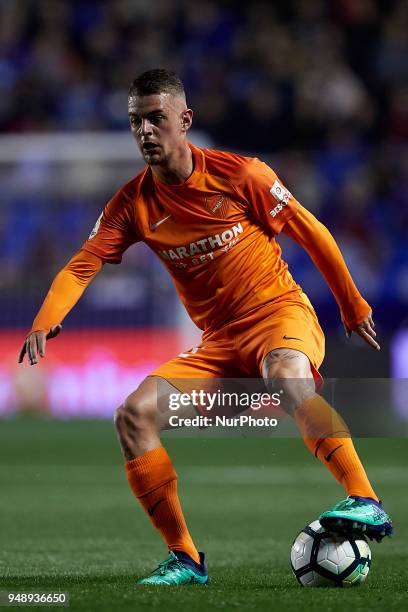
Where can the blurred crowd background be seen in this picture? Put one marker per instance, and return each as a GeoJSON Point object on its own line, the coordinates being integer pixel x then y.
{"type": "Point", "coordinates": [317, 88]}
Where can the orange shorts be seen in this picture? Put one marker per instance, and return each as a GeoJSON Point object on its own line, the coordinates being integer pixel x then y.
{"type": "Point", "coordinates": [237, 349]}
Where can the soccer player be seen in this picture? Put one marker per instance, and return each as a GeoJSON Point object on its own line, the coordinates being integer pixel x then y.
{"type": "Point", "coordinates": [212, 218]}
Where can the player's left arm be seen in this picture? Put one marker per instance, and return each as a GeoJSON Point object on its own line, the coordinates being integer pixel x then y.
{"type": "Point", "coordinates": [279, 211]}
{"type": "Point", "coordinates": [317, 241]}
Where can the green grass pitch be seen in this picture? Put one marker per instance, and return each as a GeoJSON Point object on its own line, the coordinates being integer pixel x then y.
{"type": "Point", "coordinates": [68, 521]}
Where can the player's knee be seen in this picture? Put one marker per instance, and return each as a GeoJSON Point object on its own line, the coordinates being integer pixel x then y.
{"type": "Point", "coordinates": [288, 372]}
{"type": "Point", "coordinates": [286, 363]}
{"type": "Point", "coordinates": [137, 412]}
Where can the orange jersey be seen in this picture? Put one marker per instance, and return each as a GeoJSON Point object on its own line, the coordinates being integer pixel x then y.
{"type": "Point", "coordinates": [215, 233]}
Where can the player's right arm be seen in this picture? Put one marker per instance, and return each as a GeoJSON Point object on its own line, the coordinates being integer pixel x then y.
{"type": "Point", "coordinates": [113, 233]}
{"type": "Point", "coordinates": [66, 289]}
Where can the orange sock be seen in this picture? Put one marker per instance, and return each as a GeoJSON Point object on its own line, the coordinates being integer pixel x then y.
{"type": "Point", "coordinates": [327, 436]}
{"type": "Point", "coordinates": [153, 480]}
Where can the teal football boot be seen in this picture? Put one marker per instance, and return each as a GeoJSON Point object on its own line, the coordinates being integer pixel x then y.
{"type": "Point", "coordinates": [178, 569]}
{"type": "Point", "coordinates": [361, 516]}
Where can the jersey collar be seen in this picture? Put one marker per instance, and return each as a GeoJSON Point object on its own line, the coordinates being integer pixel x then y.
{"type": "Point", "coordinates": [198, 161]}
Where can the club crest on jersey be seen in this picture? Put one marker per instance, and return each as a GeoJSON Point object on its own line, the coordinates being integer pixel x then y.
{"type": "Point", "coordinates": [217, 204]}
{"type": "Point", "coordinates": [95, 227]}
{"type": "Point", "coordinates": [281, 195]}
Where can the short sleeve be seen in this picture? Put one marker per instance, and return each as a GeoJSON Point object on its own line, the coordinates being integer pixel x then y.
{"type": "Point", "coordinates": [269, 200]}
{"type": "Point", "coordinates": [115, 230]}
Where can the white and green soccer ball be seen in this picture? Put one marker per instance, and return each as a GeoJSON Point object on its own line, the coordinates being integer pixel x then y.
{"type": "Point", "coordinates": [319, 558]}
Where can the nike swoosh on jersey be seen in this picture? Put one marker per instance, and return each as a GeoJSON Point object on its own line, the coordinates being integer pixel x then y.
{"type": "Point", "coordinates": [154, 226]}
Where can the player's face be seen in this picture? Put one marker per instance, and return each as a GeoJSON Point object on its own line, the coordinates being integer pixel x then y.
{"type": "Point", "coordinates": [159, 124]}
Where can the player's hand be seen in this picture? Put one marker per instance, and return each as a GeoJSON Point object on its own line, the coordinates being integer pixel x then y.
{"type": "Point", "coordinates": [365, 330]}
{"type": "Point", "coordinates": [34, 344]}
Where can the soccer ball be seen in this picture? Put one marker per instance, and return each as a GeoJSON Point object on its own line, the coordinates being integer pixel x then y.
{"type": "Point", "coordinates": [319, 558]}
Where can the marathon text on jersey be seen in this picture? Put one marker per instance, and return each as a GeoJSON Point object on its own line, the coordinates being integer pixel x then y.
{"type": "Point", "coordinates": [205, 245]}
